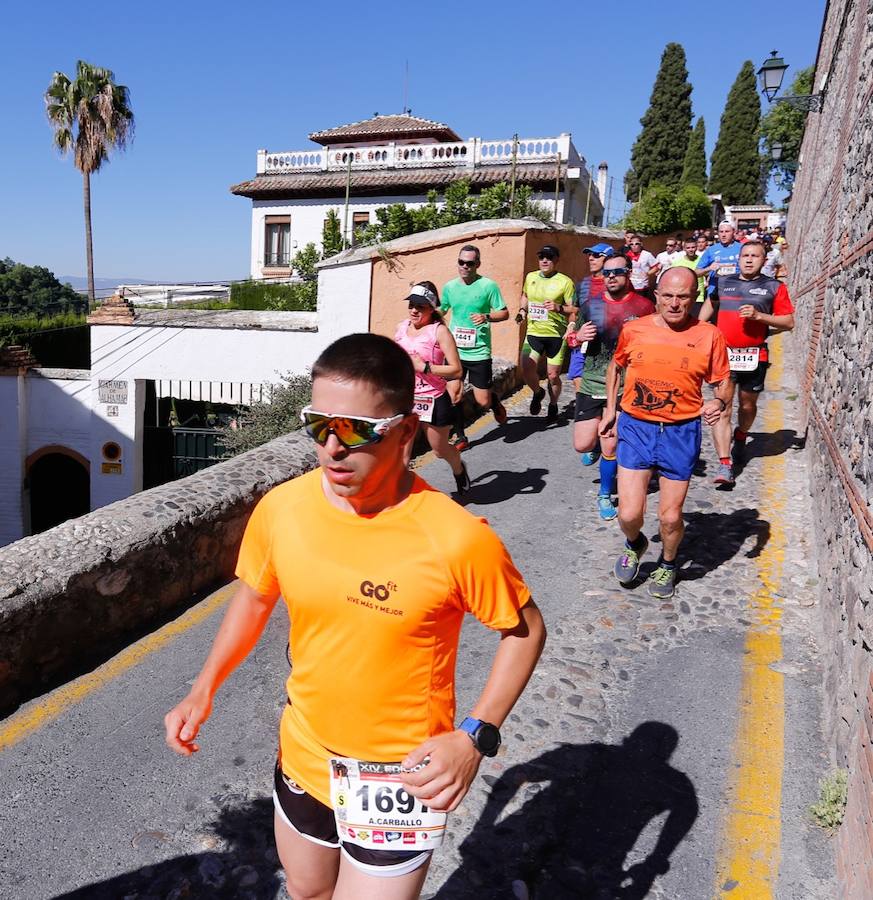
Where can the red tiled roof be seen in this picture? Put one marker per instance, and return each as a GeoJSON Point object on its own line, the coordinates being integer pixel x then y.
{"type": "Point", "coordinates": [374, 183]}
{"type": "Point", "coordinates": [402, 126]}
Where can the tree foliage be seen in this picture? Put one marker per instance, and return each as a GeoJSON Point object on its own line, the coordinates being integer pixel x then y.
{"type": "Point", "coordinates": [735, 172]}
{"type": "Point", "coordinates": [785, 124]}
{"type": "Point", "coordinates": [89, 115]}
{"type": "Point", "coordinates": [331, 234]}
{"type": "Point", "coordinates": [262, 422]}
{"type": "Point", "coordinates": [659, 151]}
{"type": "Point", "coordinates": [34, 289]}
{"type": "Point", "coordinates": [664, 209]}
{"type": "Point", "coordinates": [459, 205]}
{"type": "Point", "coordinates": [694, 166]}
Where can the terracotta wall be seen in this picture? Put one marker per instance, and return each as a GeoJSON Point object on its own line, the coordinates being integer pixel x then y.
{"type": "Point", "coordinates": [506, 256]}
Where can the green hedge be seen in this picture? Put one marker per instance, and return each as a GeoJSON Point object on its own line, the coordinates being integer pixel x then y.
{"type": "Point", "coordinates": [288, 297]}
{"type": "Point", "coordinates": [61, 341]}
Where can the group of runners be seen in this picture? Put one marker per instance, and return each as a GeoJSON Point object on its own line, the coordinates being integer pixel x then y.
{"type": "Point", "coordinates": [377, 569]}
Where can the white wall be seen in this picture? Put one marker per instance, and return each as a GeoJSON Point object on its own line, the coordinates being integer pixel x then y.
{"type": "Point", "coordinates": [36, 412]}
{"type": "Point", "coordinates": [307, 219]}
{"type": "Point", "coordinates": [133, 354]}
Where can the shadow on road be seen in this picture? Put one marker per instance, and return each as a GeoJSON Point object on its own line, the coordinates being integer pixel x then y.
{"type": "Point", "coordinates": [585, 806]}
{"type": "Point", "coordinates": [499, 485]}
{"type": "Point", "coordinates": [712, 539]}
{"type": "Point", "coordinates": [248, 867]}
{"type": "Point", "coordinates": [517, 428]}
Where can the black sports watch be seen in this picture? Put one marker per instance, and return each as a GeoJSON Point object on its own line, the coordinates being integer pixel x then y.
{"type": "Point", "coordinates": [484, 735]}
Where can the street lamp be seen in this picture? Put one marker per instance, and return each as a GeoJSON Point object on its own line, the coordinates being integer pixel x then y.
{"type": "Point", "coordinates": [770, 77]}
{"type": "Point", "coordinates": [776, 151]}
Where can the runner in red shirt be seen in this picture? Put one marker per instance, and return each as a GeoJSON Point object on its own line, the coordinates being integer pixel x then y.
{"type": "Point", "coordinates": [748, 307]}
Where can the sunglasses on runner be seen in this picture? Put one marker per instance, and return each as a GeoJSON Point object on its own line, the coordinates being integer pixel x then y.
{"type": "Point", "coordinates": [615, 272]}
{"type": "Point", "coordinates": [351, 431]}
{"type": "Point", "coordinates": [468, 263]}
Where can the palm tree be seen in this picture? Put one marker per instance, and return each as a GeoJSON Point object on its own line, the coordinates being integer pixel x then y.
{"type": "Point", "coordinates": [89, 116]}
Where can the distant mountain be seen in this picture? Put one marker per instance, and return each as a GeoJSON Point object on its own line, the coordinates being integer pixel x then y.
{"type": "Point", "coordinates": [100, 284]}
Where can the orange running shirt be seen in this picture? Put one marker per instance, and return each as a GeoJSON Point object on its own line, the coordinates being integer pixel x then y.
{"type": "Point", "coordinates": [376, 605]}
{"type": "Point", "coordinates": [665, 369]}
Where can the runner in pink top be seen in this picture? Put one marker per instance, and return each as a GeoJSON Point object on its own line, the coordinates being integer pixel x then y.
{"type": "Point", "coordinates": [435, 358]}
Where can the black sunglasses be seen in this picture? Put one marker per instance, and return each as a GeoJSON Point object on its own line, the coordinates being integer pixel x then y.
{"type": "Point", "coordinates": [468, 263]}
{"type": "Point", "coordinates": [615, 272]}
{"type": "Point", "coordinates": [549, 256]}
{"type": "Point", "coordinates": [597, 255]}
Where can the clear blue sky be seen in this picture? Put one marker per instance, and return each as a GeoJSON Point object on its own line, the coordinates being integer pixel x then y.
{"type": "Point", "coordinates": [212, 82]}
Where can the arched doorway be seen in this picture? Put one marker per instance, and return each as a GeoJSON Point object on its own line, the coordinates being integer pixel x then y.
{"type": "Point", "coordinates": [60, 488]}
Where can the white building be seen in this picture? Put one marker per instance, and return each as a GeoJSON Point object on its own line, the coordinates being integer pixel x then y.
{"type": "Point", "coordinates": [398, 159]}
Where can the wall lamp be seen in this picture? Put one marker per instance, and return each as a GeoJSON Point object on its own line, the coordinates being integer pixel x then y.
{"type": "Point", "coordinates": [770, 77]}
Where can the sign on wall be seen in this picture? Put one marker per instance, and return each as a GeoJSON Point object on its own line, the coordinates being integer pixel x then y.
{"type": "Point", "coordinates": [114, 392]}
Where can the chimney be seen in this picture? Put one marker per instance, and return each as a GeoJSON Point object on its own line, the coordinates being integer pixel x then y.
{"type": "Point", "coordinates": [602, 176]}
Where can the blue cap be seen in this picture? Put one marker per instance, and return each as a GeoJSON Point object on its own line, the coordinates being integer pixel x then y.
{"type": "Point", "coordinates": [605, 249]}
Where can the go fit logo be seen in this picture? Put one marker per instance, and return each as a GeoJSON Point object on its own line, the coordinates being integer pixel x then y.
{"type": "Point", "coordinates": [380, 591]}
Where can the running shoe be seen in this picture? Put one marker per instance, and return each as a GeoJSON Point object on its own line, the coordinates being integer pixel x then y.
{"type": "Point", "coordinates": [662, 583]}
{"type": "Point", "coordinates": [461, 443]}
{"type": "Point", "coordinates": [462, 481]}
{"type": "Point", "coordinates": [552, 414]}
{"type": "Point", "coordinates": [499, 411]}
{"type": "Point", "coordinates": [536, 402]}
{"type": "Point", "coordinates": [590, 457]}
{"type": "Point", "coordinates": [725, 475]}
{"type": "Point", "coordinates": [606, 507]}
{"type": "Point", "coordinates": [627, 566]}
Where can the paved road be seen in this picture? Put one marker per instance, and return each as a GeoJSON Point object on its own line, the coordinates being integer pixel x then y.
{"type": "Point", "coordinates": [698, 719]}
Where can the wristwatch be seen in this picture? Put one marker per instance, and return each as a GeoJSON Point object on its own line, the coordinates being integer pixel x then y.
{"type": "Point", "coordinates": [484, 735]}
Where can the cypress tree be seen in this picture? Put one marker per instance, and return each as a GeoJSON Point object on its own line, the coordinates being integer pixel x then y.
{"type": "Point", "coordinates": [694, 167]}
{"type": "Point", "coordinates": [735, 170]}
{"type": "Point", "coordinates": [659, 151]}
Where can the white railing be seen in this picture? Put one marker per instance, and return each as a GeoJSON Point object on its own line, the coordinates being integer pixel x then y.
{"type": "Point", "coordinates": [466, 154]}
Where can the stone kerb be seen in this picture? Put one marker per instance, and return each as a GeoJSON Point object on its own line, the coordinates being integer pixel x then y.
{"type": "Point", "coordinates": [71, 593]}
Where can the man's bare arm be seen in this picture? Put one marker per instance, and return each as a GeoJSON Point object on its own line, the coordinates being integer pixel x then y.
{"type": "Point", "coordinates": [454, 760]}
{"type": "Point", "coordinates": [613, 379]}
{"type": "Point", "coordinates": [240, 629]}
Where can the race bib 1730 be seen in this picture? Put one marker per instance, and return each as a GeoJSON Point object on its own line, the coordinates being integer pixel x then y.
{"type": "Point", "coordinates": [374, 810]}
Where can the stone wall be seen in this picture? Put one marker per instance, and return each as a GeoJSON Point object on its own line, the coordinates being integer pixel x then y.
{"type": "Point", "coordinates": [68, 596]}
{"type": "Point", "coordinates": [830, 233]}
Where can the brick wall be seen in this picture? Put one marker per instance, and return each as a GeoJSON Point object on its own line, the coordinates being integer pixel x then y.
{"type": "Point", "coordinates": [830, 233]}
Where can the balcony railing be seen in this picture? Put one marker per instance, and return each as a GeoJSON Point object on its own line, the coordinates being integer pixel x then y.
{"type": "Point", "coordinates": [277, 259]}
{"type": "Point", "coordinates": [462, 154]}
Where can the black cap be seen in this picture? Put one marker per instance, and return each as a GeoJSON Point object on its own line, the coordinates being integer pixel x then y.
{"type": "Point", "coordinates": [549, 251]}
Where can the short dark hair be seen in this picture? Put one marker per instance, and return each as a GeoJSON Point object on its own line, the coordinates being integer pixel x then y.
{"type": "Point", "coordinates": [469, 248]}
{"type": "Point", "coordinates": [627, 261]}
{"type": "Point", "coordinates": [373, 359]}
{"type": "Point", "coordinates": [755, 244]}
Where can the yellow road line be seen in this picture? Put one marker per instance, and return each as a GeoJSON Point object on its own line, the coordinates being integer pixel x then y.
{"type": "Point", "coordinates": [28, 720]}
{"type": "Point", "coordinates": [747, 866]}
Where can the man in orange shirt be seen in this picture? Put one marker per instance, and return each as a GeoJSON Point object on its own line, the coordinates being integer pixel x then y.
{"type": "Point", "coordinates": [665, 359]}
{"type": "Point", "coordinates": [377, 570]}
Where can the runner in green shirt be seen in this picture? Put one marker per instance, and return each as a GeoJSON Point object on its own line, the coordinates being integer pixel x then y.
{"type": "Point", "coordinates": [546, 302]}
{"type": "Point", "coordinates": [473, 302]}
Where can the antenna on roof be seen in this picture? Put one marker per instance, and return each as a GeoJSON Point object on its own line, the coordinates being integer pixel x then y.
{"type": "Point", "coordinates": [406, 109]}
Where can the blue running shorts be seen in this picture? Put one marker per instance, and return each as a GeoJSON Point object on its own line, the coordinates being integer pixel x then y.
{"type": "Point", "coordinates": [577, 363]}
{"type": "Point", "coordinates": [670, 449]}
